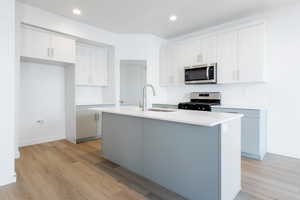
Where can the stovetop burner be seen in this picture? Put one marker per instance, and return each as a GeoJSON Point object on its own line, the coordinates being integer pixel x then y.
{"type": "Point", "coordinates": [201, 101]}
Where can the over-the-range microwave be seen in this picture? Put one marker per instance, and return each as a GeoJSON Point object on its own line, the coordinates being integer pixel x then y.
{"type": "Point", "coordinates": [201, 74]}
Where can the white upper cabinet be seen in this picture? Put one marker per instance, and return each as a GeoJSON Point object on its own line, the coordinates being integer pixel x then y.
{"type": "Point", "coordinates": [251, 54]}
{"type": "Point", "coordinates": [91, 65]}
{"type": "Point", "coordinates": [193, 52]}
{"type": "Point", "coordinates": [82, 65]}
{"type": "Point", "coordinates": [209, 49]}
{"type": "Point", "coordinates": [227, 57]}
{"type": "Point", "coordinates": [99, 65]}
{"type": "Point", "coordinates": [35, 43]}
{"type": "Point", "coordinates": [166, 75]}
{"type": "Point", "coordinates": [40, 44]}
{"type": "Point", "coordinates": [63, 49]}
{"type": "Point", "coordinates": [239, 53]}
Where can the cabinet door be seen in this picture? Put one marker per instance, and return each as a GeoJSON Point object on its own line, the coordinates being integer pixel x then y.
{"type": "Point", "coordinates": [63, 49]}
{"type": "Point", "coordinates": [209, 49]}
{"type": "Point", "coordinates": [86, 124]}
{"type": "Point", "coordinates": [251, 42]}
{"type": "Point", "coordinates": [122, 141]}
{"type": "Point", "coordinates": [171, 64]}
{"type": "Point", "coordinates": [227, 57]}
{"type": "Point", "coordinates": [99, 64]}
{"type": "Point", "coordinates": [178, 63]}
{"type": "Point", "coordinates": [83, 64]}
{"type": "Point", "coordinates": [250, 135]}
{"type": "Point", "coordinates": [163, 66]}
{"type": "Point", "coordinates": [35, 43]}
{"type": "Point", "coordinates": [195, 52]}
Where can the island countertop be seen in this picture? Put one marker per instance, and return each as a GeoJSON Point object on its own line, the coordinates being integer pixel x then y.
{"type": "Point", "coordinates": [199, 118]}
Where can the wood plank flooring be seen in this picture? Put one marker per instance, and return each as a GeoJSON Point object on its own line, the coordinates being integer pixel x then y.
{"type": "Point", "coordinates": [63, 171]}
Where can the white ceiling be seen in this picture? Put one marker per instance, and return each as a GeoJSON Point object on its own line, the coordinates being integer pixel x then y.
{"type": "Point", "coordinates": [151, 16]}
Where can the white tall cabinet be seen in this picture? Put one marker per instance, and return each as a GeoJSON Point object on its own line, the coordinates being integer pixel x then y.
{"type": "Point", "coordinates": [239, 53]}
{"type": "Point", "coordinates": [91, 65]}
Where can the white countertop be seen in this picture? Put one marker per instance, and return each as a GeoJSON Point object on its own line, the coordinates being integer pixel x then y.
{"type": "Point", "coordinates": [199, 118]}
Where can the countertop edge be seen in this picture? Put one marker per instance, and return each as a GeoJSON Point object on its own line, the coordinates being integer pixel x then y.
{"type": "Point", "coordinates": [171, 120]}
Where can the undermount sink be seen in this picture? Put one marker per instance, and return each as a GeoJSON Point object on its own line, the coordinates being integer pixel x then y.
{"type": "Point", "coordinates": [161, 110]}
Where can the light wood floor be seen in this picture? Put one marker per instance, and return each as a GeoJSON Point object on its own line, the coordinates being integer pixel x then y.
{"type": "Point", "coordinates": [64, 171]}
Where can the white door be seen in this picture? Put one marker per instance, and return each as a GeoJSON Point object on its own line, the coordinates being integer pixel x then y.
{"type": "Point", "coordinates": [83, 64]}
{"type": "Point", "coordinates": [251, 43]}
{"type": "Point", "coordinates": [35, 43]}
{"type": "Point", "coordinates": [227, 57]}
{"type": "Point", "coordinates": [132, 81]}
{"type": "Point", "coordinates": [63, 49]}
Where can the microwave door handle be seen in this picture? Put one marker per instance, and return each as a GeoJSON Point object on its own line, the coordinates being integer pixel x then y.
{"type": "Point", "coordinates": [207, 73]}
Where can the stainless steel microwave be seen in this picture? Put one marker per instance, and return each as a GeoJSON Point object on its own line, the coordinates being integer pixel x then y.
{"type": "Point", "coordinates": [201, 74]}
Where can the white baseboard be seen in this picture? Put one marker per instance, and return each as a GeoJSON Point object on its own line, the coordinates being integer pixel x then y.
{"type": "Point", "coordinates": [17, 154]}
{"type": "Point", "coordinates": [39, 141]}
{"type": "Point", "coordinates": [8, 180]}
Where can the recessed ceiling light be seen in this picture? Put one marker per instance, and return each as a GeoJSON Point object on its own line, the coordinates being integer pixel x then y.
{"type": "Point", "coordinates": [76, 11]}
{"type": "Point", "coordinates": [173, 18]}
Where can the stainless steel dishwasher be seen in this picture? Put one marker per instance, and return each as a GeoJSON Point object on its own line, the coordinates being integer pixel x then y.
{"type": "Point", "coordinates": [88, 124]}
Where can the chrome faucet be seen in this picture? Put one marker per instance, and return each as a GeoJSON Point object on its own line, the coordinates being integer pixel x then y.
{"type": "Point", "coordinates": [144, 108]}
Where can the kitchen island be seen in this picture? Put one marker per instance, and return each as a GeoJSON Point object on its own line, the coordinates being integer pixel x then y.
{"type": "Point", "coordinates": [193, 153]}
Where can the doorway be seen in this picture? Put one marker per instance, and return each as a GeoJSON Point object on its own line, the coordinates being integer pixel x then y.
{"type": "Point", "coordinates": [132, 80]}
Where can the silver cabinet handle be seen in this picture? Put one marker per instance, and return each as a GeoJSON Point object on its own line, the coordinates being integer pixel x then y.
{"type": "Point", "coordinates": [52, 52]}
{"type": "Point", "coordinates": [48, 52]}
{"type": "Point", "coordinates": [238, 74]}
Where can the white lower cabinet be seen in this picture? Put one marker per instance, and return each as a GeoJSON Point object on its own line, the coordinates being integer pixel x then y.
{"type": "Point", "coordinates": [91, 65]}
{"type": "Point", "coordinates": [254, 131]}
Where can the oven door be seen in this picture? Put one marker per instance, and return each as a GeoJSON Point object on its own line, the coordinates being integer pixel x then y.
{"type": "Point", "coordinates": [196, 75]}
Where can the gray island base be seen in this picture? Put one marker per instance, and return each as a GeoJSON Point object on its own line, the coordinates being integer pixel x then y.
{"type": "Point", "coordinates": [197, 162]}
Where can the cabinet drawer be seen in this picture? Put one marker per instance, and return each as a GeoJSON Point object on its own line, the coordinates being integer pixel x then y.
{"type": "Point", "coordinates": [246, 112]}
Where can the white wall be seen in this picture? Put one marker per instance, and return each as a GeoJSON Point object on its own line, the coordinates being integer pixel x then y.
{"type": "Point", "coordinates": [280, 95]}
{"type": "Point", "coordinates": [42, 98]}
{"type": "Point", "coordinates": [7, 88]}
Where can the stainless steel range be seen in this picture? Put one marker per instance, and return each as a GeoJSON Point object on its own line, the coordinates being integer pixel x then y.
{"type": "Point", "coordinates": [201, 101]}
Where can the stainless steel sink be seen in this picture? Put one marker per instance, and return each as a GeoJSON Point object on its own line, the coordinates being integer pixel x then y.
{"type": "Point", "coordinates": [161, 110]}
